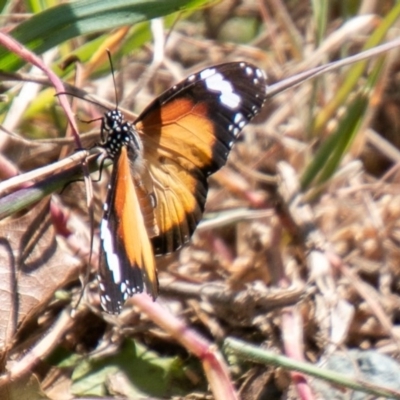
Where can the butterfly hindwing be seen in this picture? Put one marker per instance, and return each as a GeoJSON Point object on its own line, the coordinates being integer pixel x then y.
{"type": "Point", "coordinates": [187, 134]}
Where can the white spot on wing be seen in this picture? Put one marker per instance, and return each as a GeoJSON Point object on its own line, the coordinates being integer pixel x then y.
{"type": "Point", "coordinates": [216, 82]}
{"type": "Point", "coordinates": [207, 73]}
{"type": "Point", "coordinates": [238, 118]}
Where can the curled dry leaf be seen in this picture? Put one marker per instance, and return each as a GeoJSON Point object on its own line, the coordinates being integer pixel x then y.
{"type": "Point", "coordinates": [33, 266]}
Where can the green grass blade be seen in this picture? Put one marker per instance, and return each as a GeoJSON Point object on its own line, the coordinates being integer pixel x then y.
{"type": "Point", "coordinates": [330, 154]}
{"type": "Point", "coordinates": [355, 72]}
{"type": "Point", "coordinates": [66, 21]}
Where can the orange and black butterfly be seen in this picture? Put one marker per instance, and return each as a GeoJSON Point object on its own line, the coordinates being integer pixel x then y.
{"type": "Point", "coordinates": [161, 162]}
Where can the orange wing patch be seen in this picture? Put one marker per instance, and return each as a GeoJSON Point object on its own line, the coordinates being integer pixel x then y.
{"type": "Point", "coordinates": [131, 229]}
{"type": "Point", "coordinates": [178, 146]}
{"type": "Point", "coordinates": [181, 128]}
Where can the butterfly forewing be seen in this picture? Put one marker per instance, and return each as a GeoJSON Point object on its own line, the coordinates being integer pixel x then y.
{"type": "Point", "coordinates": [187, 133]}
{"type": "Point", "coordinates": [158, 187]}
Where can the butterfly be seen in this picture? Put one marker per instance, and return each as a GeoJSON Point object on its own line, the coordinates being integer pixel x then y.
{"type": "Point", "coordinates": [161, 162]}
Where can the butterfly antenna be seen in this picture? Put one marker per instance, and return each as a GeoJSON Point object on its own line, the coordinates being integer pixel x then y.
{"type": "Point", "coordinates": [113, 76]}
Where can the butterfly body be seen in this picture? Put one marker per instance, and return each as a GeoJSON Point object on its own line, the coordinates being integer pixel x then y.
{"type": "Point", "coordinates": [158, 186]}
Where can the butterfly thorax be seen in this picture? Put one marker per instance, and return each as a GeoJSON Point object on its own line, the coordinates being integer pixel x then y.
{"type": "Point", "coordinates": [121, 133]}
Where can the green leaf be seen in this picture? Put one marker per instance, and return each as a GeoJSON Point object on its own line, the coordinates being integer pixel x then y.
{"type": "Point", "coordinates": [66, 21]}
{"type": "Point", "coordinates": [143, 373]}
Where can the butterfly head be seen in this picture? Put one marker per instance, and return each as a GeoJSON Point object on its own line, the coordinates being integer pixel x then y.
{"type": "Point", "coordinates": [112, 119]}
{"type": "Point", "coordinates": [120, 133]}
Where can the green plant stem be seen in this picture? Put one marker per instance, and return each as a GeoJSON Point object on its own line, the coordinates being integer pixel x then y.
{"type": "Point", "coordinates": [263, 356]}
